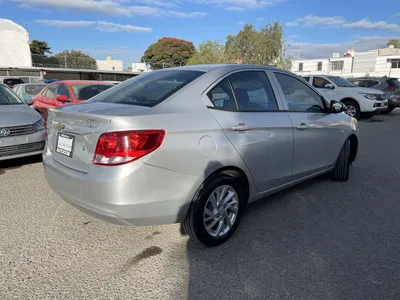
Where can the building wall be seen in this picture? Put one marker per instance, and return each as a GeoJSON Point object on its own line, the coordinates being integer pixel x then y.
{"type": "Point", "coordinates": [310, 66]}
{"type": "Point", "coordinates": [365, 62]}
{"type": "Point", "coordinates": [110, 64]}
{"type": "Point", "coordinates": [14, 45]}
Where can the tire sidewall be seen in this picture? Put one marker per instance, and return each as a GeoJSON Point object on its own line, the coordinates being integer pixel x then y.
{"type": "Point", "coordinates": [355, 105]}
{"type": "Point", "coordinates": [200, 202]}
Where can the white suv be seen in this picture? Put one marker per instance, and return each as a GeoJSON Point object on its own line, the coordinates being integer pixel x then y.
{"type": "Point", "coordinates": [359, 101]}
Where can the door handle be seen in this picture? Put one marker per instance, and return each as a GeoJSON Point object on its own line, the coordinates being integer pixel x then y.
{"type": "Point", "coordinates": [241, 127]}
{"type": "Point", "coordinates": [302, 126]}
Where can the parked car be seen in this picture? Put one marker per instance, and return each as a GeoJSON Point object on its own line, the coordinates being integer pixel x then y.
{"type": "Point", "coordinates": [114, 82]}
{"type": "Point", "coordinates": [360, 102]}
{"type": "Point", "coordinates": [47, 81]}
{"type": "Point", "coordinates": [27, 91]}
{"type": "Point", "coordinates": [21, 128]}
{"type": "Point", "coordinates": [195, 144]}
{"type": "Point", "coordinates": [61, 93]}
{"type": "Point", "coordinates": [389, 85]}
{"type": "Point", "coordinates": [11, 82]}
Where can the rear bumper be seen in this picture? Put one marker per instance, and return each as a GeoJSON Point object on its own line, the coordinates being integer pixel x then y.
{"type": "Point", "coordinates": [21, 146]}
{"type": "Point", "coordinates": [132, 194]}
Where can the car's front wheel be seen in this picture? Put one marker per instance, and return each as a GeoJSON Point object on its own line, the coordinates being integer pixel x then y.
{"type": "Point", "coordinates": [342, 167]}
{"type": "Point", "coordinates": [215, 211]}
{"type": "Point", "coordinates": [353, 109]}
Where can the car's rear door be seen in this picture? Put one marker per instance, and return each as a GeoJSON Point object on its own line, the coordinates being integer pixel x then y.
{"type": "Point", "coordinates": [248, 111]}
{"type": "Point", "coordinates": [317, 134]}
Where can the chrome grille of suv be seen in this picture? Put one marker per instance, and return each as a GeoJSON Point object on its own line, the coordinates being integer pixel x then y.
{"type": "Point", "coordinates": [20, 130]}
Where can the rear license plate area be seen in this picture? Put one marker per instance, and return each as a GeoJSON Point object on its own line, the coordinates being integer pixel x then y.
{"type": "Point", "coordinates": [65, 144]}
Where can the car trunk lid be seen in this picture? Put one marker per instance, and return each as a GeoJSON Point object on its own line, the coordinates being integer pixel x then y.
{"type": "Point", "coordinates": [73, 131]}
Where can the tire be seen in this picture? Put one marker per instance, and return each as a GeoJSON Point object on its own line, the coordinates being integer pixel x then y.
{"type": "Point", "coordinates": [353, 106]}
{"type": "Point", "coordinates": [342, 167]}
{"type": "Point", "coordinates": [195, 221]}
{"type": "Point", "coordinates": [390, 109]}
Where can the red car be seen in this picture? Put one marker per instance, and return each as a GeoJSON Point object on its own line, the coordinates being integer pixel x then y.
{"type": "Point", "coordinates": [61, 93]}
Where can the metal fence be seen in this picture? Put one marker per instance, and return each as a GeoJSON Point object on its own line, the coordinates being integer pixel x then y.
{"type": "Point", "coordinates": [63, 61]}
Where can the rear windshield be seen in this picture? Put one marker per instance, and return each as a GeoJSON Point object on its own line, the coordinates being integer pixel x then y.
{"type": "Point", "coordinates": [148, 89]}
{"type": "Point", "coordinates": [7, 97]}
{"type": "Point", "coordinates": [33, 90]}
{"type": "Point", "coordinates": [87, 91]}
{"type": "Point", "coordinates": [393, 82]}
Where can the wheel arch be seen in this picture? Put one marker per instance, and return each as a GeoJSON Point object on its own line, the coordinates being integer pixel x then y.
{"type": "Point", "coordinates": [351, 99]}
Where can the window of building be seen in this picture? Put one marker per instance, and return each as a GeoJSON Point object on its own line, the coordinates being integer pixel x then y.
{"type": "Point", "coordinates": [395, 63]}
{"type": "Point", "coordinates": [113, 68]}
{"type": "Point", "coordinates": [337, 65]}
{"type": "Point", "coordinates": [319, 68]}
{"type": "Point", "coordinates": [300, 66]}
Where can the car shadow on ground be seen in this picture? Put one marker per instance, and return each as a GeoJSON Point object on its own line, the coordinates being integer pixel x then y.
{"type": "Point", "coordinates": [307, 242]}
{"type": "Point", "coordinates": [18, 162]}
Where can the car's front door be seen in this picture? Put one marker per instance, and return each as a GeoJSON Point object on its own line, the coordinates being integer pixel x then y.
{"type": "Point", "coordinates": [317, 134]}
{"type": "Point", "coordinates": [248, 111]}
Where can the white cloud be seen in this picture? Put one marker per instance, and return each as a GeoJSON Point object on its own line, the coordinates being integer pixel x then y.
{"type": "Point", "coordinates": [360, 44]}
{"type": "Point", "coordinates": [100, 25]}
{"type": "Point", "coordinates": [26, 6]}
{"type": "Point", "coordinates": [110, 7]}
{"type": "Point", "coordinates": [179, 14]}
{"type": "Point", "coordinates": [367, 24]}
{"type": "Point", "coordinates": [240, 23]}
{"type": "Point", "coordinates": [338, 21]}
{"type": "Point", "coordinates": [244, 4]}
{"type": "Point", "coordinates": [260, 19]}
{"type": "Point", "coordinates": [234, 8]}
{"type": "Point", "coordinates": [159, 3]}
{"type": "Point", "coordinates": [312, 21]}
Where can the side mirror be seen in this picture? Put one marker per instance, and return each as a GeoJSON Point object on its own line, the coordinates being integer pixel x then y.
{"type": "Point", "coordinates": [337, 107]}
{"type": "Point", "coordinates": [62, 98]}
{"type": "Point", "coordinates": [329, 86]}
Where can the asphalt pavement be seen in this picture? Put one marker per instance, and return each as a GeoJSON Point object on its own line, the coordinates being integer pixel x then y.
{"type": "Point", "coordinates": [320, 240]}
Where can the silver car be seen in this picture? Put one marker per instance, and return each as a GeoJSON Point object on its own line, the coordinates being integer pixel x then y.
{"type": "Point", "coordinates": [194, 145]}
{"type": "Point", "coordinates": [22, 130]}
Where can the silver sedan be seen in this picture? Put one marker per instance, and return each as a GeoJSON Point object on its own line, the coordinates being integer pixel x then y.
{"type": "Point", "coordinates": [194, 145]}
{"type": "Point", "coordinates": [22, 129]}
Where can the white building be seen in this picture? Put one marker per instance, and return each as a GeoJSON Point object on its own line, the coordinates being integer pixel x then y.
{"type": "Point", "coordinates": [377, 62]}
{"type": "Point", "coordinates": [14, 45]}
{"type": "Point", "coordinates": [110, 64]}
{"type": "Point", "coordinates": [139, 67]}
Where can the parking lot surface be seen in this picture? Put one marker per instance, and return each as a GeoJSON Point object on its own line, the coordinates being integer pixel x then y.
{"type": "Point", "coordinates": [320, 240]}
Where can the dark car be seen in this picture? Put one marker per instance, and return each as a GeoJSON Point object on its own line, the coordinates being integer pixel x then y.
{"type": "Point", "coordinates": [11, 82]}
{"type": "Point", "coordinates": [47, 81]}
{"type": "Point", "coordinates": [389, 85]}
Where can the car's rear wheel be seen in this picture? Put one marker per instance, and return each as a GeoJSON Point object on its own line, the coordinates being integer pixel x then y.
{"type": "Point", "coordinates": [353, 109]}
{"type": "Point", "coordinates": [342, 167]}
{"type": "Point", "coordinates": [390, 109]}
{"type": "Point", "coordinates": [215, 211]}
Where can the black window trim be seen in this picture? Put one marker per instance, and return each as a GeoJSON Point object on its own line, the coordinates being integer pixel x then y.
{"type": "Point", "coordinates": [326, 109]}
{"type": "Point", "coordinates": [226, 76]}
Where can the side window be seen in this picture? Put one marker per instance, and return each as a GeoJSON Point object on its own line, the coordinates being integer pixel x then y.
{"type": "Point", "coordinates": [355, 82]}
{"type": "Point", "coordinates": [306, 79]}
{"type": "Point", "coordinates": [363, 83]}
{"type": "Point", "coordinates": [320, 83]}
{"type": "Point", "coordinates": [51, 91]}
{"type": "Point", "coordinates": [63, 91]}
{"type": "Point", "coordinates": [372, 83]}
{"type": "Point", "coordinates": [253, 91]}
{"type": "Point", "coordinates": [299, 97]}
{"type": "Point", "coordinates": [222, 96]}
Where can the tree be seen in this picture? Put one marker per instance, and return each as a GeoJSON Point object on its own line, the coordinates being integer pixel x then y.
{"type": "Point", "coordinates": [39, 48]}
{"type": "Point", "coordinates": [395, 43]}
{"type": "Point", "coordinates": [75, 59]}
{"type": "Point", "coordinates": [262, 47]}
{"type": "Point", "coordinates": [168, 52]}
{"type": "Point", "coordinates": [209, 52]}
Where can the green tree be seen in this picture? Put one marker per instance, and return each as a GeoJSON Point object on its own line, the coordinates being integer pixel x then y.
{"type": "Point", "coordinates": [209, 52]}
{"type": "Point", "coordinates": [75, 59]}
{"type": "Point", "coordinates": [168, 52]}
{"type": "Point", "coordinates": [395, 43]}
{"type": "Point", "coordinates": [39, 48]}
{"type": "Point", "coordinates": [250, 46]}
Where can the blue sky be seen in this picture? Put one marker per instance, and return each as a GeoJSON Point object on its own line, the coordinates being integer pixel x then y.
{"type": "Point", "coordinates": [125, 28]}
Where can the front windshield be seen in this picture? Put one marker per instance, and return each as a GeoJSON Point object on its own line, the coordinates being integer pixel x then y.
{"type": "Point", "coordinates": [340, 82]}
{"type": "Point", "coordinates": [7, 97]}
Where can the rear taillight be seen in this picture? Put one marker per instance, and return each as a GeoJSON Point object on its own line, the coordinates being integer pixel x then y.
{"type": "Point", "coordinates": [391, 88]}
{"type": "Point", "coordinates": [120, 147]}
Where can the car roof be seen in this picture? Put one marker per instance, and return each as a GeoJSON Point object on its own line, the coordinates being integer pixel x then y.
{"type": "Point", "coordinates": [375, 78]}
{"type": "Point", "coordinates": [81, 82]}
{"type": "Point", "coordinates": [33, 83]}
{"type": "Point", "coordinates": [224, 67]}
